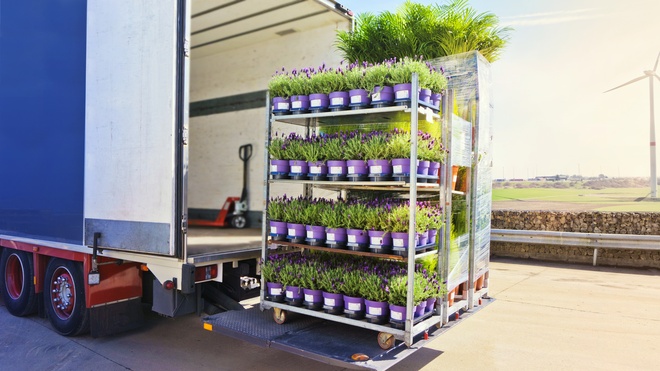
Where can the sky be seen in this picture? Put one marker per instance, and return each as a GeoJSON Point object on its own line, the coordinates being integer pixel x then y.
{"type": "Point", "coordinates": [551, 115]}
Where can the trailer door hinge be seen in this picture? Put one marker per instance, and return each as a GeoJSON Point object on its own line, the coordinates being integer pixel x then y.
{"type": "Point", "coordinates": [184, 136]}
{"type": "Point", "coordinates": [186, 48]}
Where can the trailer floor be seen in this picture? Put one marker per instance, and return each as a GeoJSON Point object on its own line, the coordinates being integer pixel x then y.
{"type": "Point", "coordinates": [326, 341]}
{"type": "Point", "coordinates": [210, 243]}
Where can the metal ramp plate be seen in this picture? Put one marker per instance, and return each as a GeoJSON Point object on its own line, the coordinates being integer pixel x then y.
{"type": "Point", "coordinates": [325, 341]}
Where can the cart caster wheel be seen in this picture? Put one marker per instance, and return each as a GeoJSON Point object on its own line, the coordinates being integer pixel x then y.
{"type": "Point", "coordinates": [279, 316]}
{"type": "Point", "coordinates": [457, 316]}
{"type": "Point", "coordinates": [480, 301]}
{"type": "Point", "coordinates": [385, 340]}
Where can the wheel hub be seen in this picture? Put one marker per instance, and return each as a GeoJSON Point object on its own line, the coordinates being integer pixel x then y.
{"type": "Point", "coordinates": [62, 294]}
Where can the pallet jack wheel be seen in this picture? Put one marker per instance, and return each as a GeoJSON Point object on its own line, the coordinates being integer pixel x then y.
{"type": "Point", "coordinates": [385, 340]}
{"type": "Point", "coordinates": [279, 316]}
{"type": "Point", "coordinates": [238, 221]}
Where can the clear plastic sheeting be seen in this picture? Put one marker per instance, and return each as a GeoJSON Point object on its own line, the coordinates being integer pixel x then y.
{"type": "Point", "coordinates": [459, 259]}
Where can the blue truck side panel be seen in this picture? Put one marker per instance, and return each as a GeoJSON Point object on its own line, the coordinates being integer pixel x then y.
{"type": "Point", "coordinates": [42, 118]}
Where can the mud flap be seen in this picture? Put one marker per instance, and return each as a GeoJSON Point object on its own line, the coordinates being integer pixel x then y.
{"type": "Point", "coordinates": [114, 318]}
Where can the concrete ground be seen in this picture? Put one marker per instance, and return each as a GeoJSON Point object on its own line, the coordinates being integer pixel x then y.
{"type": "Point", "coordinates": [545, 317]}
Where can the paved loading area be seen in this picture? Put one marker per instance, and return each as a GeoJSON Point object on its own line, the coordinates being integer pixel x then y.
{"type": "Point", "coordinates": [545, 317]}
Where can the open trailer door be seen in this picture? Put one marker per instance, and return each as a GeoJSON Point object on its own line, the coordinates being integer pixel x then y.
{"type": "Point", "coordinates": [135, 125]}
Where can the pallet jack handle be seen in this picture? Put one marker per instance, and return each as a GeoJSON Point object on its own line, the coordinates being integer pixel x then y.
{"type": "Point", "coordinates": [244, 153]}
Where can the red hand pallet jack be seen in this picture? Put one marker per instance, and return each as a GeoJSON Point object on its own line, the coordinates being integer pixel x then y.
{"type": "Point", "coordinates": [234, 209]}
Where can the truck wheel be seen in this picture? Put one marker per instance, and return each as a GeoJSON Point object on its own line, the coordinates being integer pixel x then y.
{"type": "Point", "coordinates": [64, 291]}
{"type": "Point", "coordinates": [16, 281]}
{"type": "Point", "coordinates": [238, 222]}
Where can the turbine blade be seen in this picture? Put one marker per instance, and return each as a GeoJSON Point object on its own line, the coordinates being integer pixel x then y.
{"type": "Point", "coordinates": [656, 62]}
{"type": "Point", "coordinates": [656, 76]}
{"type": "Point", "coordinates": [628, 83]}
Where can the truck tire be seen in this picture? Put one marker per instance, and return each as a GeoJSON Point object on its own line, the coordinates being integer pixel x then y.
{"type": "Point", "coordinates": [64, 297]}
{"type": "Point", "coordinates": [16, 282]}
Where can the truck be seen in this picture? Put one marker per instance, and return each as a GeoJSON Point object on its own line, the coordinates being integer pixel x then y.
{"type": "Point", "coordinates": [120, 121]}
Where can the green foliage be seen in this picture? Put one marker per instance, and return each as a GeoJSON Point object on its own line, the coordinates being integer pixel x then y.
{"type": "Point", "coordinates": [311, 148]}
{"type": "Point", "coordinates": [354, 147]}
{"type": "Point", "coordinates": [312, 211]}
{"type": "Point", "coordinates": [356, 215]}
{"type": "Point", "coordinates": [429, 30]}
{"type": "Point", "coordinates": [399, 144]}
{"type": "Point", "coordinates": [374, 287]}
{"type": "Point", "coordinates": [276, 208]}
{"type": "Point", "coordinates": [375, 146]}
{"type": "Point", "coordinates": [352, 282]}
{"type": "Point", "coordinates": [397, 220]}
{"type": "Point", "coordinates": [398, 290]}
{"type": "Point", "coordinates": [330, 280]}
{"type": "Point", "coordinates": [277, 149]}
{"type": "Point", "coordinates": [310, 276]}
{"type": "Point", "coordinates": [335, 216]}
{"type": "Point", "coordinates": [333, 148]}
{"type": "Point", "coordinates": [377, 75]}
{"type": "Point", "coordinates": [280, 84]}
{"type": "Point", "coordinates": [290, 275]}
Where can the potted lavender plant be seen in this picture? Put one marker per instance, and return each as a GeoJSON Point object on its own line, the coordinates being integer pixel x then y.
{"type": "Point", "coordinates": [277, 218]}
{"type": "Point", "coordinates": [330, 281]}
{"type": "Point", "coordinates": [350, 287]}
{"type": "Point", "coordinates": [334, 220]}
{"type": "Point", "coordinates": [374, 292]}
{"type": "Point", "coordinates": [356, 222]}
{"type": "Point", "coordinates": [354, 153]}
{"type": "Point", "coordinates": [312, 151]}
{"type": "Point", "coordinates": [333, 152]}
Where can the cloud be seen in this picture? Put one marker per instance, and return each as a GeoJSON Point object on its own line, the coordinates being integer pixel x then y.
{"type": "Point", "coordinates": [546, 18]}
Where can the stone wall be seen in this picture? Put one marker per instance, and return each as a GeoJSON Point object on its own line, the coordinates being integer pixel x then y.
{"type": "Point", "coordinates": [585, 222]}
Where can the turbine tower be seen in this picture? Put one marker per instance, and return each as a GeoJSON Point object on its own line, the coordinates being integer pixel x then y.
{"type": "Point", "coordinates": [649, 74]}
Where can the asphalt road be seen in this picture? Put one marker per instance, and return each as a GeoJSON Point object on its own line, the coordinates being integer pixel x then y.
{"type": "Point", "coordinates": [545, 317]}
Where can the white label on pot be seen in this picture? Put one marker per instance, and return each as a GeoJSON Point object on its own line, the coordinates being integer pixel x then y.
{"type": "Point", "coordinates": [315, 169]}
{"type": "Point", "coordinates": [296, 104]}
{"type": "Point", "coordinates": [376, 169]}
{"type": "Point", "coordinates": [376, 240]}
{"type": "Point", "coordinates": [375, 96]}
{"type": "Point", "coordinates": [310, 234]}
{"type": "Point", "coordinates": [330, 236]}
{"type": "Point", "coordinates": [337, 101]}
{"type": "Point", "coordinates": [273, 168]}
{"type": "Point", "coordinates": [354, 306]}
{"type": "Point", "coordinates": [296, 169]}
{"type": "Point", "coordinates": [397, 242]}
{"type": "Point", "coordinates": [356, 99]}
{"type": "Point", "coordinates": [335, 169]}
{"type": "Point", "coordinates": [289, 294]}
{"type": "Point", "coordinates": [282, 105]}
{"type": "Point", "coordinates": [376, 311]}
{"type": "Point", "coordinates": [309, 298]}
{"type": "Point", "coordinates": [397, 169]}
{"type": "Point", "coordinates": [396, 315]}
{"type": "Point", "coordinates": [292, 232]}
{"type": "Point", "coordinates": [351, 238]}
{"type": "Point", "coordinates": [351, 169]}
{"type": "Point", "coordinates": [315, 103]}
{"type": "Point", "coordinates": [276, 291]}
{"type": "Point", "coordinates": [330, 302]}
{"type": "Point", "coordinates": [273, 230]}
{"type": "Point", "coordinates": [403, 94]}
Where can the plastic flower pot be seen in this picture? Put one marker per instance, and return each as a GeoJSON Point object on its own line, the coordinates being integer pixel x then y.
{"type": "Point", "coordinates": [380, 242]}
{"type": "Point", "coordinates": [294, 296]}
{"type": "Point", "coordinates": [377, 311]}
{"type": "Point", "coordinates": [339, 100]}
{"type": "Point", "coordinates": [380, 170]}
{"type": "Point", "coordinates": [397, 313]}
{"type": "Point", "coordinates": [359, 98]}
{"type": "Point", "coordinates": [281, 106]}
{"type": "Point", "coordinates": [354, 307]}
{"type": "Point", "coordinates": [298, 169]}
{"type": "Point", "coordinates": [274, 291]}
{"type": "Point", "coordinates": [430, 305]}
{"type": "Point", "coordinates": [278, 230]}
{"type": "Point", "coordinates": [357, 170]}
{"type": "Point", "coordinates": [317, 170]}
{"type": "Point", "coordinates": [313, 299]}
{"type": "Point", "coordinates": [400, 239]}
{"type": "Point", "coordinates": [423, 167]}
{"type": "Point", "coordinates": [454, 176]}
{"type": "Point", "coordinates": [315, 235]}
{"type": "Point", "coordinates": [299, 103]}
{"type": "Point", "coordinates": [479, 283]}
{"type": "Point", "coordinates": [432, 234]}
{"type": "Point", "coordinates": [423, 238]}
{"type": "Point", "coordinates": [382, 96]}
{"type": "Point", "coordinates": [318, 102]}
{"type": "Point", "coordinates": [425, 96]}
{"type": "Point", "coordinates": [401, 166]}
{"type": "Point", "coordinates": [419, 308]}
{"type": "Point", "coordinates": [357, 239]}
{"type": "Point", "coordinates": [279, 169]}
{"type": "Point", "coordinates": [296, 232]}
{"type": "Point", "coordinates": [434, 167]}
{"type": "Point", "coordinates": [336, 237]}
{"type": "Point", "coordinates": [333, 303]}
{"type": "Point", "coordinates": [402, 92]}
{"type": "Point", "coordinates": [436, 98]}
{"type": "Point", "coordinates": [337, 169]}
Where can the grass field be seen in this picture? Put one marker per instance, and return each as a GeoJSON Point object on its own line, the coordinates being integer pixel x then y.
{"type": "Point", "coordinates": [574, 199]}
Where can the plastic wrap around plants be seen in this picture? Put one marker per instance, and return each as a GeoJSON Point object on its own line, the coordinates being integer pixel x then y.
{"type": "Point", "coordinates": [459, 260]}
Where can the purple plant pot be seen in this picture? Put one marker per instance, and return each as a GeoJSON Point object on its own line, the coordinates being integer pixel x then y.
{"type": "Point", "coordinates": [402, 92]}
{"type": "Point", "coordinates": [296, 232]}
{"type": "Point", "coordinates": [359, 97]}
{"type": "Point", "coordinates": [336, 237]}
{"type": "Point", "coordinates": [424, 96]}
{"type": "Point", "coordinates": [382, 95]}
{"type": "Point", "coordinates": [281, 105]}
{"type": "Point", "coordinates": [315, 235]}
{"type": "Point", "coordinates": [377, 308]}
{"type": "Point", "coordinates": [357, 236]}
{"type": "Point", "coordinates": [436, 98]}
{"type": "Point", "coordinates": [318, 102]}
{"type": "Point", "coordinates": [419, 308]}
{"type": "Point", "coordinates": [337, 169]}
{"type": "Point", "coordinates": [278, 230]}
{"type": "Point", "coordinates": [354, 306]}
{"type": "Point", "coordinates": [317, 170]}
{"type": "Point", "coordinates": [333, 303]}
{"type": "Point", "coordinates": [357, 170]}
{"type": "Point", "coordinates": [423, 238]}
{"type": "Point", "coordinates": [379, 167]}
{"type": "Point", "coordinates": [299, 103]}
{"type": "Point", "coordinates": [279, 169]}
{"type": "Point", "coordinates": [275, 291]}
{"type": "Point", "coordinates": [339, 99]}
{"type": "Point", "coordinates": [380, 238]}
{"type": "Point", "coordinates": [401, 166]}
{"type": "Point", "coordinates": [397, 313]}
{"type": "Point", "coordinates": [294, 295]}
{"type": "Point", "coordinates": [432, 234]}
{"type": "Point", "coordinates": [423, 167]}
{"type": "Point", "coordinates": [430, 304]}
{"type": "Point", "coordinates": [400, 239]}
{"type": "Point", "coordinates": [313, 299]}
{"type": "Point", "coordinates": [434, 167]}
{"type": "Point", "coordinates": [298, 169]}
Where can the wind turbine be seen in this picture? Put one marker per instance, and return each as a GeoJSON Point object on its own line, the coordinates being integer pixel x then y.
{"type": "Point", "coordinates": [649, 74]}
